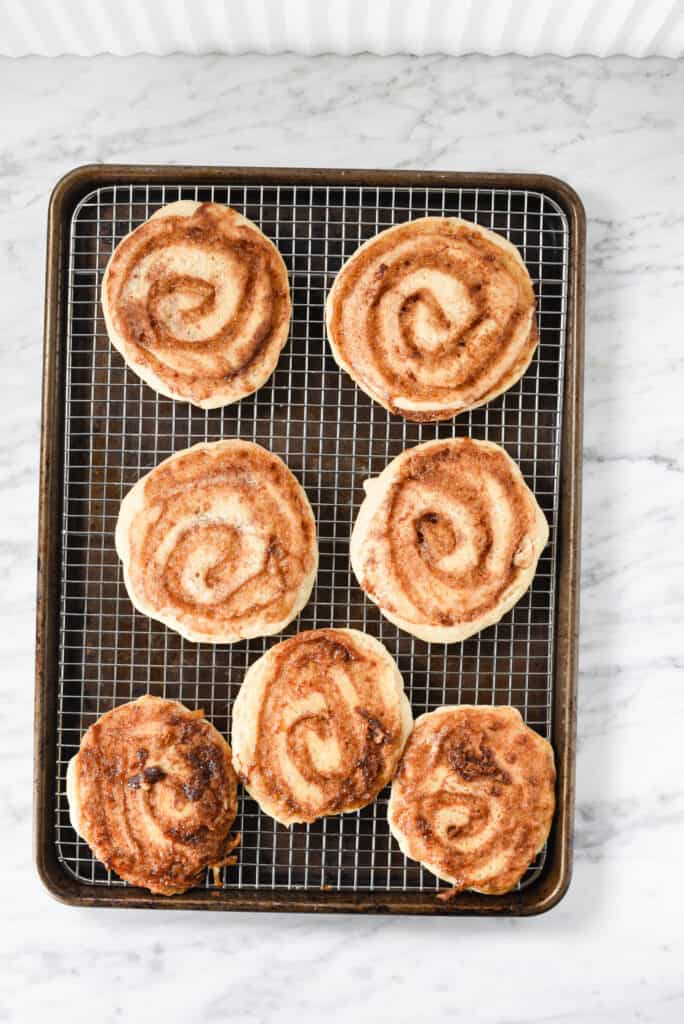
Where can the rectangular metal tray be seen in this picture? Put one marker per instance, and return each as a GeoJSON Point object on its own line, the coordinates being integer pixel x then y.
{"type": "Point", "coordinates": [102, 428]}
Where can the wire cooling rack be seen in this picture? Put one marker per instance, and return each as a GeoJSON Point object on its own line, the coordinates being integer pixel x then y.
{"type": "Point", "coordinates": [332, 437]}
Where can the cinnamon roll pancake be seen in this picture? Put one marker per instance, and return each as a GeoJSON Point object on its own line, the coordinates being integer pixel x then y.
{"type": "Point", "coordinates": [197, 302]}
{"type": "Point", "coordinates": [319, 725]}
{"type": "Point", "coordinates": [473, 798]}
{"type": "Point", "coordinates": [153, 792]}
{"type": "Point", "coordinates": [447, 538]}
{"type": "Point", "coordinates": [219, 543]}
{"type": "Point", "coordinates": [433, 317]}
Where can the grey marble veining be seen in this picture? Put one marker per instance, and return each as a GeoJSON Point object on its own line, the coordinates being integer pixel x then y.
{"type": "Point", "coordinates": [613, 949]}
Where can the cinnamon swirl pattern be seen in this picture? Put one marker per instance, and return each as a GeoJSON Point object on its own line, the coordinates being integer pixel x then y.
{"type": "Point", "coordinates": [473, 798]}
{"type": "Point", "coordinates": [219, 542]}
{"type": "Point", "coordinates": [448, 538]}
{"type": "Point", "coordinates": [197, 302]}
{"type": "Point", "coordinates": [319, 725]}
{"type": "Point", "coordinates": [433, 317]}
{"type": "Point", "coordinates": [153, 792]}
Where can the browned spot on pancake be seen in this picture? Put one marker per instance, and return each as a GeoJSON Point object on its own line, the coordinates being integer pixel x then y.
{"type": "Point", "coordinates": [472, 758]}
{"type": "Point", "coordinates": [436, 535]}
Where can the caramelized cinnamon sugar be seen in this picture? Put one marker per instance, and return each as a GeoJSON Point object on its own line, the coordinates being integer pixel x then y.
{"type": "Point", "coordinates": [433, 317]}
{"type": "Point", "coordinates": [219, 542]}
{"type": "Point", "coordinates": [473, 798]}
{"type": "Point", "coordinates": [162, 825]}
{"type": "Point", "coordinates": [448, 537]}
{"type": "Point", "coordinates": [319, 725]}
{"type": "Point", "coordinates": [197, 301]}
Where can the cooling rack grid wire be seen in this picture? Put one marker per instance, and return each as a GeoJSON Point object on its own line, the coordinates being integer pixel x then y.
{"type": "Point", "coordinates": [332, 437]}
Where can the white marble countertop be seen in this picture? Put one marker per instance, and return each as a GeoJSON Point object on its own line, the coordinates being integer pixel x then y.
{"type": "Point", "coordinates": [613, 950]}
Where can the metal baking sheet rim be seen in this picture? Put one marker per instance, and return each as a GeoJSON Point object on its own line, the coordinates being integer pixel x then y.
{"type": "Point", "coordinates": [554, 880]}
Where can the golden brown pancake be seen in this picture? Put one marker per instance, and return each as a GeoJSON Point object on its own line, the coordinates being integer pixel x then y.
{"type": "Point", "coordinates": [219, 542]}
{"type": "Point", "coordinates": [473, 798]}
{"type": "Point", "coordinates": [447, 539]}
{"type": "Point", "coordinates": [433, 317]}
{"type": "Point", "coordinates": [319, 725]}
{"type": "Point", "coordinates": [197, 302]}
{"type": "Point", "coordinates": [153, 792]}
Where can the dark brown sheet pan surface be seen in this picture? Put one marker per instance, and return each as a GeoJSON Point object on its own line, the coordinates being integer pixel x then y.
{"type": "Point", "coordinates": [102, 428]}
